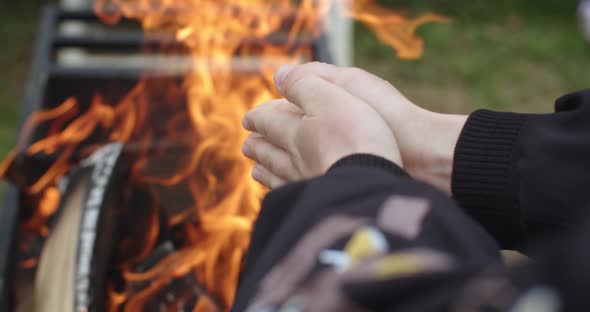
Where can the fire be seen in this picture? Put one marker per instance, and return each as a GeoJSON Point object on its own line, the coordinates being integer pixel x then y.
{"type": "Point", "coordinates": [185, 135]}
{"type": "Point", "coordinates": [394, 29]}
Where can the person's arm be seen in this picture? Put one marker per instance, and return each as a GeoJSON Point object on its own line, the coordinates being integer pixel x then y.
{"type": "Point", "coordinates": [366, 237]}
{"type": "Point", "coordinates": [519, 175]}
{"type": "Point", "coordinates": [525, 176]}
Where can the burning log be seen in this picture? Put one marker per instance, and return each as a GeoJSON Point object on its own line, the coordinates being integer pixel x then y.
{"type": "Point", "coordinates": [179, 294]}
{"type": "Point", "coordinates": [72, 269]}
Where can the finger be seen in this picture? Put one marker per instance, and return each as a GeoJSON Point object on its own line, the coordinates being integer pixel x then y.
{"type": "Point", "coordinates": [355, 81]}
{"type": "Point", "coordinates": [276, 160]}
{"type": "Point", "coordinates": [275, 121]}
{"type": "Point", "coordinates": [266, 178]}
{"type": "Point", "coordinates": [312, 93]}
{"type": "Point", "coordinates": [284, 105]}
{"type": "Point", "coordinates": [277, 104]}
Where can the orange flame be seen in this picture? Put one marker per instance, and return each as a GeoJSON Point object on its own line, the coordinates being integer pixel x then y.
{"type": "Point", "coordinates": [394, 29]}
{"type": "Point", "coordinates": [205, 180]}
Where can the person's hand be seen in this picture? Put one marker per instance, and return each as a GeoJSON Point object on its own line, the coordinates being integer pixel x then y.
{"type": "Point", "coordinates": [427, 140]}
{"type": "Point", "coordinates": [315, 125]}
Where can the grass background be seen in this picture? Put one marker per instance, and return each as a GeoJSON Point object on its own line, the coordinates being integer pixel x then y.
{"type": "Point", "coordinates": [501, 54]}
{"type": "Point", "coordinates": [18, 25]}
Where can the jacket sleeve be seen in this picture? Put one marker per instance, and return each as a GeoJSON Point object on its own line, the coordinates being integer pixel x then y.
{"type": "Point", "coordinates": [334, 243]}
{"type": "Point", "coordinates": [365, 237]}
{"type": "Point", "coordinates": [525, 177]}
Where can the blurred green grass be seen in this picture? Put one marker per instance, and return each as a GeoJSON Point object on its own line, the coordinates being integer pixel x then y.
{"type": "Point", "coordinates": [502, 54]}
{"type": "Point", "coordinates": [18, 25]}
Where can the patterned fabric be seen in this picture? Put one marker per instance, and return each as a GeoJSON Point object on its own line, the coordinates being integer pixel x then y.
{"type": "Point", "coordinates": [387, 244]}
{"type": "Point", "coordinates": [311, 276]}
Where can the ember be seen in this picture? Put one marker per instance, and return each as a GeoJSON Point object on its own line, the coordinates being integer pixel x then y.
{"type": "Point", "coordinates": [187, 203]}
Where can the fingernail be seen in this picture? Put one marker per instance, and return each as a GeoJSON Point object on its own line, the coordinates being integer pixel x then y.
{"type": "Point", "coordinates": [281, 73]}
{"type": "Point", "coordinates": [257, 173]}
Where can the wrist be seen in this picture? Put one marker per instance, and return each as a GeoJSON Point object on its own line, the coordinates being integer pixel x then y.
{"type": "Point", "coordinates": [428, 152]}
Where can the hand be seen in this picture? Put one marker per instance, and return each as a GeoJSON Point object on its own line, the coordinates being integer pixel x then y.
{"type": "Point", "coordinates": [315, 125]}
{"type": "Point", "coordinates": [427, 140]}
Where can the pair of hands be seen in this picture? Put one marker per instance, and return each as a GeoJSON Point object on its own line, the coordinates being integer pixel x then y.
{"type": "Point", "coordinates": [328, 113]}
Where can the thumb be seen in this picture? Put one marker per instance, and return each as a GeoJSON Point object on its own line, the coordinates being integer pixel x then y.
{"type": "Point", "coordinates": [313, 94]}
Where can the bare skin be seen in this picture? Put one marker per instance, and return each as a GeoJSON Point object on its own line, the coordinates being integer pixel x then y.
{"type": "Point", "coordinates": [330, 112]}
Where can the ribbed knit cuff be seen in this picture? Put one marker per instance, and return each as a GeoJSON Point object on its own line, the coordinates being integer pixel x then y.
{"type": "Point", "coordinates": [484, 181]}
{"type": "Point", "coordinates": [369, 161]}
